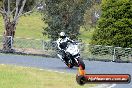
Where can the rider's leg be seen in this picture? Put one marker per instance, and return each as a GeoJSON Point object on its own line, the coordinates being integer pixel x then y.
{"type": "Point", "coordinates": [64, 55]}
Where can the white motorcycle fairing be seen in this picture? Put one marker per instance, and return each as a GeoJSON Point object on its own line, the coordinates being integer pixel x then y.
{"type": "Point", "coordinates": [72, 49]}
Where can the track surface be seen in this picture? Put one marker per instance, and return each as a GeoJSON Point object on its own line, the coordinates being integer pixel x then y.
{"type": "Point", "coordinates": [56, 64]}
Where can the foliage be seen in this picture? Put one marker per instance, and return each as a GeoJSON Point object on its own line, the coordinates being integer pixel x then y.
{"type": "Point", "coordinates": [34, 29]}
{"type": "Point", "coordinates": [92, 14]}
{"type": "Point", "coordinates": [64, 15]}
{"type": "Point", "coordinates": [28, 5]}
{"type": "Point", "coordinates": [115, 24]}
{"type": "Point", "coordinates": [11, 10]}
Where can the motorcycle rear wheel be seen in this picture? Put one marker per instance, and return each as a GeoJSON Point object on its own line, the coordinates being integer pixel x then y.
{"type": "Point", "coordinates": [70, 66]}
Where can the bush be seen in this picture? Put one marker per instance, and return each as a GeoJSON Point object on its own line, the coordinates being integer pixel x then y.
{"type": "Point", "coordinates": [115, 24]}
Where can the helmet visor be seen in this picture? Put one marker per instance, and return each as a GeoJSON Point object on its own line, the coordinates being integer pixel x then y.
{"type": "Point", "coordinates": [62, 36]}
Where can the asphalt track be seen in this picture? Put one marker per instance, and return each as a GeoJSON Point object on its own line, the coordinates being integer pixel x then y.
{"type": "Point", "coordinates": [55, 64]}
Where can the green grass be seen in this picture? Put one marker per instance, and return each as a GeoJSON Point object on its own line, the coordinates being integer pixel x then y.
{"type": "Point", "coordinates": [21, 77]}
{"type": "Point", "coordinates": [86, 36]}
{"type": "Point", "coordinates": [31, 26]}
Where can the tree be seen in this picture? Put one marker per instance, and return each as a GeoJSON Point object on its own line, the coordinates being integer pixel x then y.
{"type": "Point", "coordinates": [64, 15]}
{"type": "Point", "coordinates": [92, 14]}
{"type": "Point", "coordinates": [115, 24]}
{"type": "Point", "coordinates": [11, 11]}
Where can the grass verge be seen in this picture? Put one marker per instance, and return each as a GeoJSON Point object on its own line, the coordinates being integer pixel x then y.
{"type": "Point", "coordinates": [22, 77]}
{"type": "Point", "coordinates": [29, 26]}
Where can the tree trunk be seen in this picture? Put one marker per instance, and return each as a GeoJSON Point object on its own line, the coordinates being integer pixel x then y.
{"type": "Point", "coordinates": [8, 35]}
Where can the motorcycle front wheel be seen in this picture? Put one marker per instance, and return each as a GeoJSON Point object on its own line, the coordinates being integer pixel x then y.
{"type": "Point", "coordinates": [70, 66]}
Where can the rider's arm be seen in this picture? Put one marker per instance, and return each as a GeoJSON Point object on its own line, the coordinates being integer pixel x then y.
{"type": "Point", "coordinates": [58, 44]}
{"type": "Point", "coordinates": [69, 40]}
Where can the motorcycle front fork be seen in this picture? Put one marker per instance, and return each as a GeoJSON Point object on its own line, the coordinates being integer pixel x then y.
{"type": "Point", "coordinates": [60, 56]}
{"type": "Point", "coordinates": [66, 62]}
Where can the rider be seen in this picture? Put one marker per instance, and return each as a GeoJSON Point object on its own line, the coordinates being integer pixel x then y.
{"type": "Point", "coordinates": [62, 44]}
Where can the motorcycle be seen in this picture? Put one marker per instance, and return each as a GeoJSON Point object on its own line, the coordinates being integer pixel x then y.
{"type": "Point", "coordinates": [72, 55]}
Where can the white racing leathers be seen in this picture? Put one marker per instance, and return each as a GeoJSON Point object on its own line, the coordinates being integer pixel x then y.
{"type": "Point", "coordinates": [62, 44]}
{"type": "Point", "coordinates": [61, 41]}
